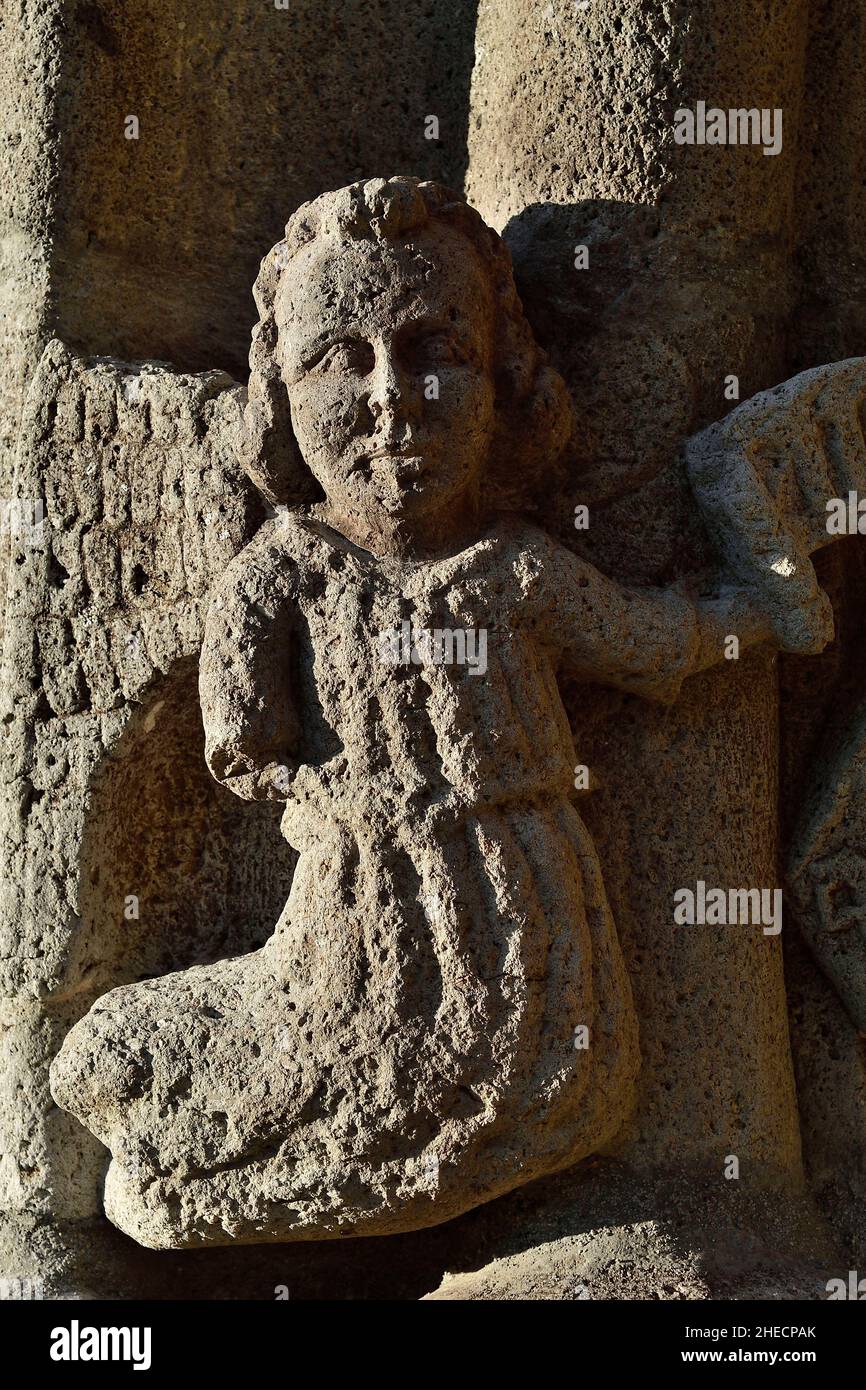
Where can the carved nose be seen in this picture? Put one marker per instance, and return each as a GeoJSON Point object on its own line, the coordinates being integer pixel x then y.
{"type": "Point", "coordinates": [385, 403]}
{"type": "Point", "coordinates": [388, 397]}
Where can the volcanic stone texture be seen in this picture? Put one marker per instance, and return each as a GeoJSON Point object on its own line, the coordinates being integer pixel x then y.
{"type": "Point", "coordinates": [704, 262]}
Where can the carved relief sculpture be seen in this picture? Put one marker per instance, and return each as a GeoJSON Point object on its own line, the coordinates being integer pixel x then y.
{"type": "Point", "coordinates": [442, 1012]}
{"type": "Point", "coordinates": [433, 737]}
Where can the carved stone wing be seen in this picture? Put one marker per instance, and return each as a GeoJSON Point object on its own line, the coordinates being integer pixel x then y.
{"type": "Point", "coordinates": [128, 503]}
{"type": "Point", "coordinates": [763, 477]}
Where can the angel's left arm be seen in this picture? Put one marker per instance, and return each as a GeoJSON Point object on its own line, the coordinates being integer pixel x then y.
{"type": "Point", "coordinates": [643, 640]}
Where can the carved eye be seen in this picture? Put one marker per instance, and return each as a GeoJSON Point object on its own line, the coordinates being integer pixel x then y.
{"type": "Point", "coordinates": [350, 356]}
{"type": "Point", "coordinates": [436, 348]}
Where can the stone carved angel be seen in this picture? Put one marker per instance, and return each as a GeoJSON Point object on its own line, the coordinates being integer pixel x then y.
{"type": "Point", "coordinates": [405, 1046]}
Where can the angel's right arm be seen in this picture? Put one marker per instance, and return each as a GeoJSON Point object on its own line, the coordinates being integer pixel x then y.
{"type": "Point", "coordinates": [251, 725]}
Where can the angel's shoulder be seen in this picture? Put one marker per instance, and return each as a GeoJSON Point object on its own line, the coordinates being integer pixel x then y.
{"type": "Point", "coordinates": [275, 561]}
{"type": "Point", "coordinates": [525, 549]}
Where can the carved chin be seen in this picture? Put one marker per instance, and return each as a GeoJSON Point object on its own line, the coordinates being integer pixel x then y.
{"type": "Point", "coordinates": [422, 493]}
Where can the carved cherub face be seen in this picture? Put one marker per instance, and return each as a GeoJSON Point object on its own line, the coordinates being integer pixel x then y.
{"type": "Point", "coordinates": [386, 352]}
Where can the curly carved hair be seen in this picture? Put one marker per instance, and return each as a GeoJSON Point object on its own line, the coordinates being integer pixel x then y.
{"type": "Point", "coordinates": [533, 409]}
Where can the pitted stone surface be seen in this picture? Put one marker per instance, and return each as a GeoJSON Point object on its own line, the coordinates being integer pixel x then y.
{"type": "Point", "coordinates": [703, 262]}
{"type": "Point", "coordinates": [407, 1043]}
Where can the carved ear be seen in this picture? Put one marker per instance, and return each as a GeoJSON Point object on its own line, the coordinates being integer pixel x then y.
{"type": "Point", "coordinates": [267, 446]}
